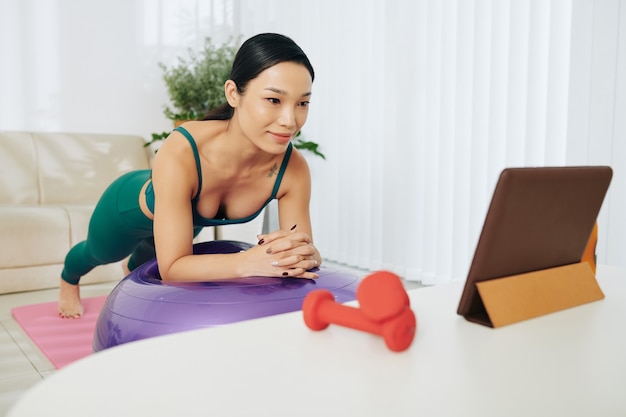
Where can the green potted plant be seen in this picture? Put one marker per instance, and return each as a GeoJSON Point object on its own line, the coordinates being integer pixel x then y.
{"type": "Point", "coordinates": [195, 85]}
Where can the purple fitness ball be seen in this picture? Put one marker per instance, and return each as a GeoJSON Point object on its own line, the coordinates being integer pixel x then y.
{"type": "Point", "coordinates": [143, 306]}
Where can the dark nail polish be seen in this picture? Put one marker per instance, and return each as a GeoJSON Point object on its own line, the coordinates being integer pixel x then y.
{"type": "Point", "coordinates": [285, 273]}
{"type": "Point", "coordinates": [262, 241]}
{"type": "Point", "coordinates": [293, 227]}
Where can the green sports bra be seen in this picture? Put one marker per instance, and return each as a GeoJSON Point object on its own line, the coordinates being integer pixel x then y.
{"type": "Point", "coordinates": [198, 220]}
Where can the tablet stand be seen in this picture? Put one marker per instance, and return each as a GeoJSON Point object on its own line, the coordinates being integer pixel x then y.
{"type": "Point", "coordinates": [520, 297]}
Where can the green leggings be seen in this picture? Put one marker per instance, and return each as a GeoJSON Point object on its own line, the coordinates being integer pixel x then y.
{"type": "Point", "coordinates": [117, 228]}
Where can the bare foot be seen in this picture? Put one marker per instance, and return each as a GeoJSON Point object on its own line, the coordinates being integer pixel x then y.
{"type": "Point", "coordinates": [70, 306]}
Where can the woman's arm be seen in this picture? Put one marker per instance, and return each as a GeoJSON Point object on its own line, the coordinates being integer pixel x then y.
{"type": "Point", "coordinates": [293, 243]}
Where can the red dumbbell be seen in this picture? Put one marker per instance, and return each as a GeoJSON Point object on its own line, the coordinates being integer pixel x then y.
{"type": "Point", "coordinates": [384, 309]}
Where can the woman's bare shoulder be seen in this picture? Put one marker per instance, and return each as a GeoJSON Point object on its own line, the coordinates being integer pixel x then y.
{"type": "Point", "coordinates": [297, 175]}
{"type": "Point", "coordinates": [203, 131]}
{"type": "Point", "coordinates": [298, 163]}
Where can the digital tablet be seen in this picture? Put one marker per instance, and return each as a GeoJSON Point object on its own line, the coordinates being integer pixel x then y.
{"type": "Point", "coordinates": [538, 218]}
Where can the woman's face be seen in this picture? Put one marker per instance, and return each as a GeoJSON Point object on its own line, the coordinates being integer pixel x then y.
{"type": "Point", "coordinates": [275, 106]}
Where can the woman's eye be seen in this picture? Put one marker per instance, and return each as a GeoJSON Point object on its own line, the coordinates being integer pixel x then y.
{"type": "Point", "coordinates": [304, 103]}
{"type": "Point", "coordinates": [273, 100]}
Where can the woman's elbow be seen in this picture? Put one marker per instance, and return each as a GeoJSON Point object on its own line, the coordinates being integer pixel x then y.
{"type": "Point", "coordinates": [167, 272]}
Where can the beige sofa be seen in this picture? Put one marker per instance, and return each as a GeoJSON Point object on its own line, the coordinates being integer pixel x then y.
{"type": "Point", "coordinates": [49, 184]}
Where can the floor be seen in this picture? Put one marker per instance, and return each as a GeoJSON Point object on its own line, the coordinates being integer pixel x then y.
{"type": "Point", "coordinates": [22, 365]}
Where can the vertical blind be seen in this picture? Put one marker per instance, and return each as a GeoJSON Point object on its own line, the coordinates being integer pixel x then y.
{"type": "Point", "coordinates": [419, 105]}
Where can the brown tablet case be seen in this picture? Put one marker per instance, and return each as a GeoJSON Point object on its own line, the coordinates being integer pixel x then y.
{"type": "Point", "coordinates": [527, 261]}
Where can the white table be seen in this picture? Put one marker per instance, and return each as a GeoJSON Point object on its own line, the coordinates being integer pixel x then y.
{"type": "Point", "coordinates": [570, 363]}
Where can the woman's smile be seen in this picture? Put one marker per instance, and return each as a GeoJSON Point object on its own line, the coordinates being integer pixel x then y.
{"type": "Point", "coordinates": [281, 138]}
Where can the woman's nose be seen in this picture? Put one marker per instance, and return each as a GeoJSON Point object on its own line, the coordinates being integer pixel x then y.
{"type": "Point", "coordinates": [287, 117]}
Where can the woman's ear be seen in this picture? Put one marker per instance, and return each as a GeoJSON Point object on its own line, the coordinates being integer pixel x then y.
{"type": "Point", "coordinates": [231, 93]}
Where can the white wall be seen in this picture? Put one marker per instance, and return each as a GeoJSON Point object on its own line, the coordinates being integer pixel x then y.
{"type": "Point", "coordinates": [92, 66]}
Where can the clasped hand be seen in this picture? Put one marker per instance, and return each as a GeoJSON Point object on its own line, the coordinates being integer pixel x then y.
{"type": "Point", "coordinates": [287, 253]}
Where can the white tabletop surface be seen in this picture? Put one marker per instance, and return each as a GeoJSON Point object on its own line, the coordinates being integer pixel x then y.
{"type": "Point", "coordinates": [569, 363]}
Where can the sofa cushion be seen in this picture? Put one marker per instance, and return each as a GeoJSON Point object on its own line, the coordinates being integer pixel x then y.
{"type": "Point", "coordinates": [33, 235]}
{"type": "Point", "coordinates": [18, 169]}
{"type": "Point", "coordinates": [60, 168]}
{"type": "Point", "coordinates": [79, 216]}
{"type": "Point", "coordinates": [76, 168]}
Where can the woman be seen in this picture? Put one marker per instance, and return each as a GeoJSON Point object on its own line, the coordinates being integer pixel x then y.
{"type": "Point", "coordinates": [221, 170]}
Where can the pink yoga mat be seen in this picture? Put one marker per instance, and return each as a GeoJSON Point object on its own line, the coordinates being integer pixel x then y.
{"type": "Point", "coordinates": [63, 341]}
